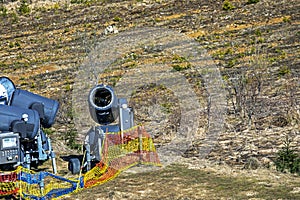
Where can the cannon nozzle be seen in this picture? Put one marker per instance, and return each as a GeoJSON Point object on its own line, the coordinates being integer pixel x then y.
{"type": "Point", "coordinates": [103, 104]}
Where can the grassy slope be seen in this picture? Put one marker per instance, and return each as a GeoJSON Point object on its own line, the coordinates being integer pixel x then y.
{"type": "Point", "coordinates": [181, 182]}
{"type": "Point", "coordinates": [41, 51]}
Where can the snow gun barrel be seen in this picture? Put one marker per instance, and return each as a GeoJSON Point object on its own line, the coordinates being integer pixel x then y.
{"type": "Point", "coordinates": [103, 104]}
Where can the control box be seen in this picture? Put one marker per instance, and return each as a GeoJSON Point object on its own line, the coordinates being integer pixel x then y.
{"type": "Point", "coordinates": [9, 148]}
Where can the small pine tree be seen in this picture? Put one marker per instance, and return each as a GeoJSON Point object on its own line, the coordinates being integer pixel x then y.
{"type": "Point", "coordinates": [287, 158]}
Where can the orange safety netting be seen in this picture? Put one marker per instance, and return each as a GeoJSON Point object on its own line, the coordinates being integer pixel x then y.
{"type": "Point", "coordinates": [120, 151]}
{"type": "Point", "coordinates": [8, 183]}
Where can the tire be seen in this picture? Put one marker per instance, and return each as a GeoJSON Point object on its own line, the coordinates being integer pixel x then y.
{"type": "Point", "coordinates": [74, 165]}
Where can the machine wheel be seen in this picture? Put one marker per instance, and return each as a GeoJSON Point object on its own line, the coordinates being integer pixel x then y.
{"type": "Point", "coordinates": [74, 165]}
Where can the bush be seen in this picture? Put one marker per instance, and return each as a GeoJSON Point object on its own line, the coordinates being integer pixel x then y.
{"type": "Point", "coordinates": [228, 6]}
{"type": "Point", "coordinates": [15, 17]}
{"type": "Point", "coordinates": [3, 11]}
{"type": "Point", "coordinates": [283, 70]}
{"type": "Point", "coordinates": [70, 139]}
{"type": "Point", "coordinates": [24, 7]}
{"type": "Point", "coordinates": [252, 1]}
{"type": "Point", "coordinates": [287, 159]}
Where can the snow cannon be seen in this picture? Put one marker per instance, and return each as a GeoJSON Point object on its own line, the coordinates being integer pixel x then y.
{"type": "Point", "coordinates": [26, 122]}
{"type": "Point", "coordinates": [47, 108]}
{"type": "Point", "coordinates": [7, 88]}
{"type": "Point", "coordinates": [23, 115]}
{"type": "Point", "coordinates": [112, 114]}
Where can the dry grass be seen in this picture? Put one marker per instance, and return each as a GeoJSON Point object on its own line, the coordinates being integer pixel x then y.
{"type": "Point", "coordinates": [206, 182]}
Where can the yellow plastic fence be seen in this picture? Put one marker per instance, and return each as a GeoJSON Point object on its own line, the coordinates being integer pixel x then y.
{"type": "Point", "coordinates": [120, 151]}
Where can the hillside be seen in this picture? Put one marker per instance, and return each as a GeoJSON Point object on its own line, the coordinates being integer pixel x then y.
{"type": "Point", "coordinates": [246, 103]}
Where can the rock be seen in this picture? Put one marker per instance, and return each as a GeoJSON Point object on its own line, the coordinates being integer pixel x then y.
{"type": "Point", "coordinates": [252, 163]}
{"type": "Point", "coordinates": [110, 30]}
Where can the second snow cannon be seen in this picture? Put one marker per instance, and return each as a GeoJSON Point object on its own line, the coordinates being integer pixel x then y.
{"type": "Point", "coordinates": [106, 108]}
{"type": "Point", "coordinates": [112, 114]}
